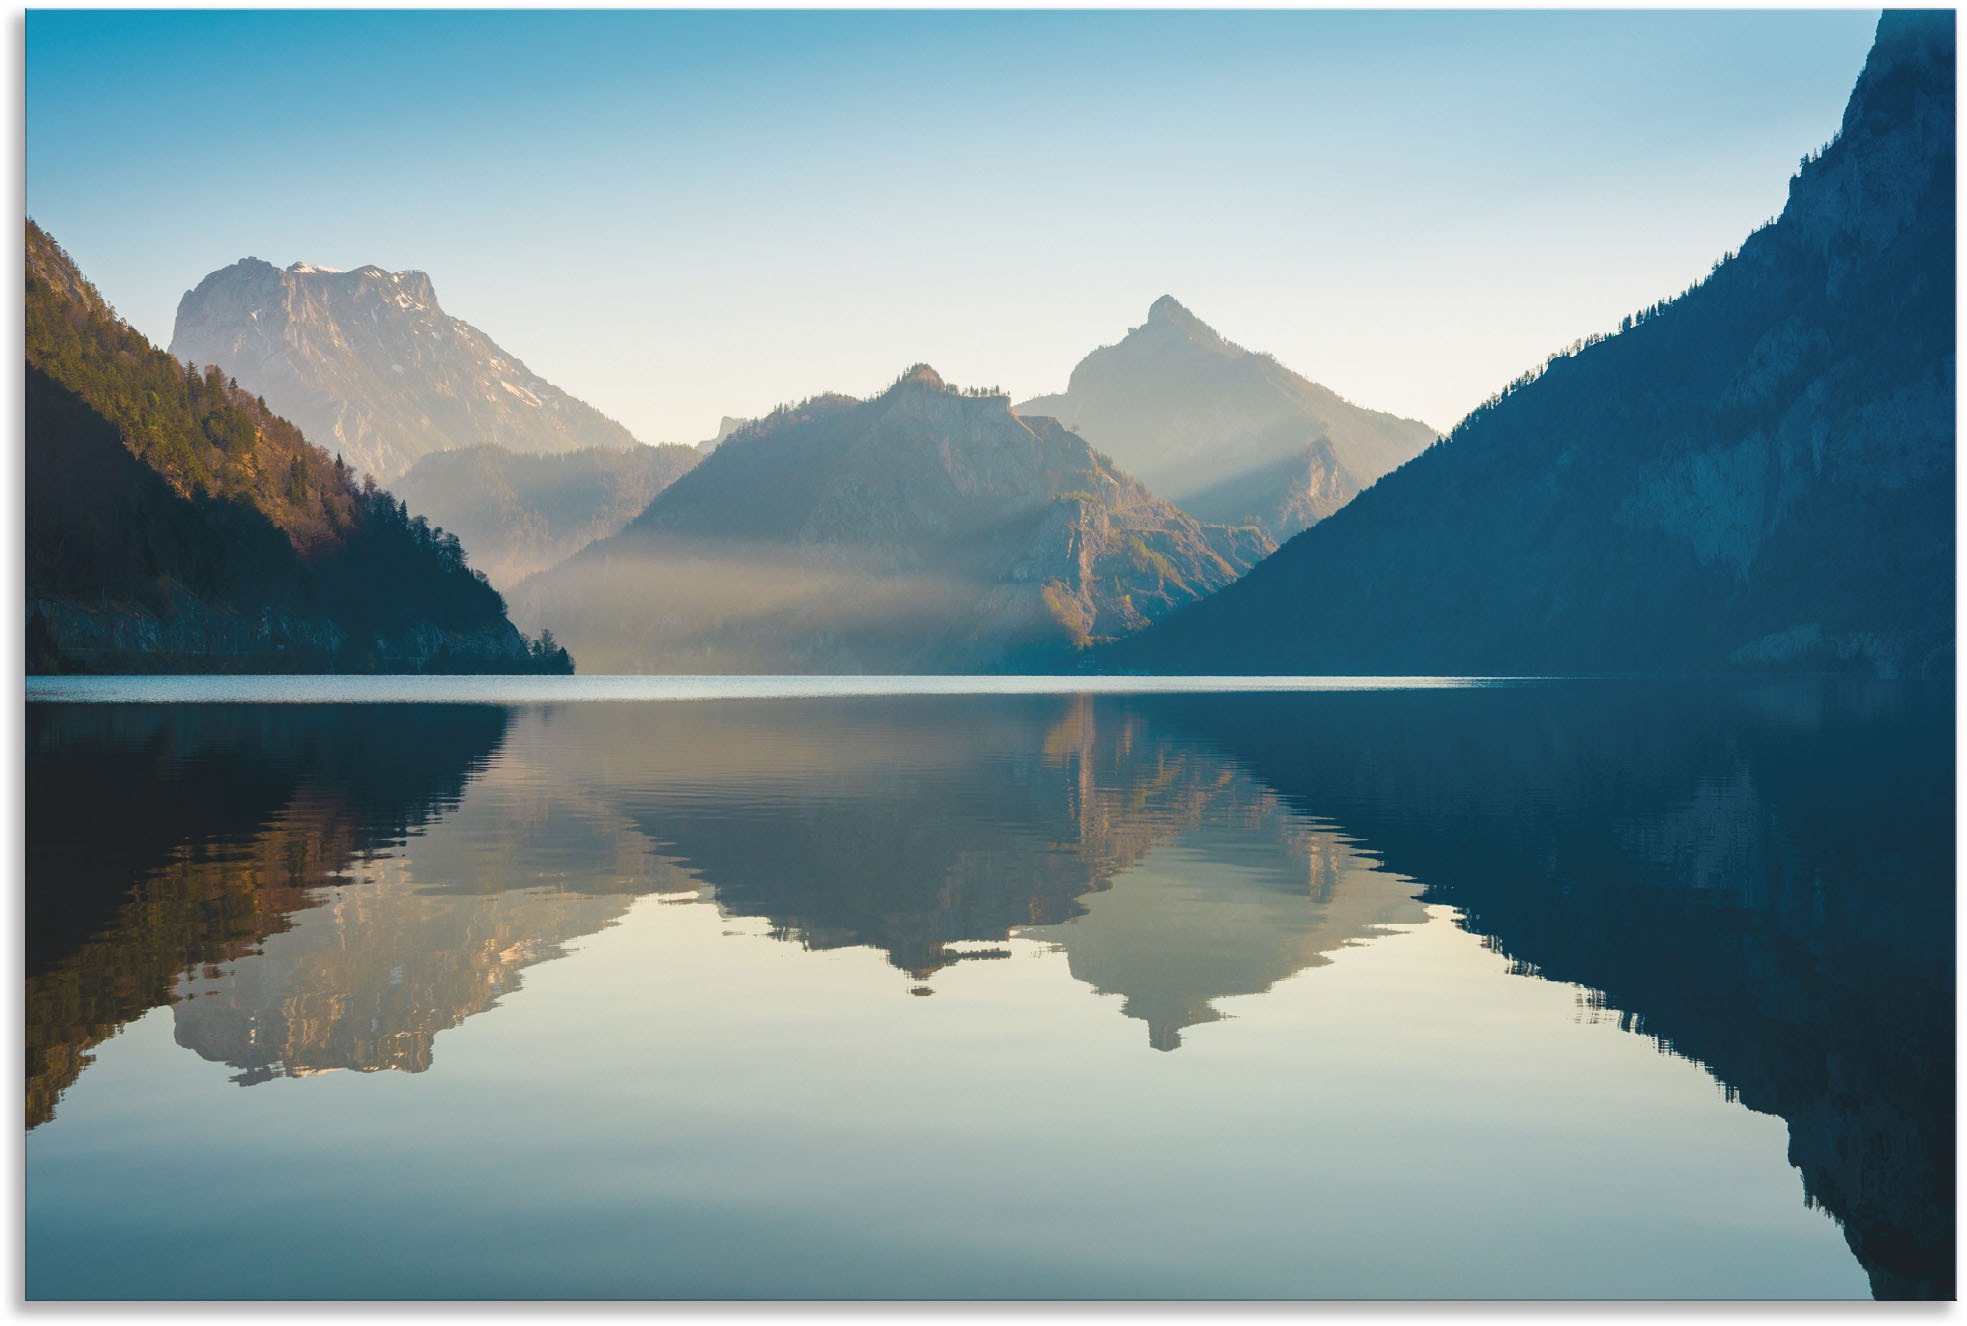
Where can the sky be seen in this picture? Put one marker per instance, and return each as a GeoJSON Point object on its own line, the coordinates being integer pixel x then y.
{"type": "Point", "coordinates": [683, 215]}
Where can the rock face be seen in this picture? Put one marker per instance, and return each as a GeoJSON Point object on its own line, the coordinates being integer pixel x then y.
{"type": "Point", "coordinates": [519, 514]}
{"type": "Point", "coordinates": [1229, 436]}
{"type": "Point", "coordinates": [371, 368]}
{"type": "Point", "coordinates": [1757, 474]}
{"type": "Point", "coordinates": [725, 427]}
{"type": "Point", "coordinates": [924, 530]}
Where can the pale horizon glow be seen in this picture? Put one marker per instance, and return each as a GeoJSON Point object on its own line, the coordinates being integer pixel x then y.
{"type": "Point", "coordinates": [680, 216]}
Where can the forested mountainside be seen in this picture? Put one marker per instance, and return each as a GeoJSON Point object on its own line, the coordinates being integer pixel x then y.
{"type": "Point", "coordinates": [176, 523]}
{"type": "Point", "coordinates": [927, 529]}
{"type": "Point", "coordinates": [1226, 434]}
{"type": "Point", "coordinates": [519, 514]}
{"type": "Point", "coordinates": [370, 366]}
{"type": "Point", "coordinates": [1758, 474]}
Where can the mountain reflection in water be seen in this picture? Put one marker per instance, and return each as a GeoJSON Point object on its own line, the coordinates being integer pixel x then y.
{"type": "Point", "coordinates": [1758, 878]}
{"type": "Point", "coordinates": [164, 841]}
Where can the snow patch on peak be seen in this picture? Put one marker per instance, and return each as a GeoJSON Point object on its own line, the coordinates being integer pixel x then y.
{"type": "Point", "coordinates": [309, 269]}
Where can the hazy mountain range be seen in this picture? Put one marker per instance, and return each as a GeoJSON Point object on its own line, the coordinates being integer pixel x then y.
{"type": "Point", "coordinates": [1229, 436]}
{"type": "Point", "coordinates": [370, 366]}
{"type": "Point", "coordinates": [924, 530]}
{"type": "Point", "coordinates": [518, 513]}
{"type": "Point", "coordinates": [1759, 473]}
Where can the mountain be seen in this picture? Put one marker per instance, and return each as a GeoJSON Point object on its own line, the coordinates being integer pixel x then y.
{"type": "Point", "coordinates": [925, 530]}
{"type": "Point", "coordinates": [518, 514]}
{"type": "Point", "coordinates": [175, 523]}
{"type": "Point", "coordinates": [370, 366]}
{"type": "Point", "coordinates": [725, 427]}
{"type": "Point", "coordinates": [1227, 435]}
{"type": "Point", "coordinates": [1758, 474]}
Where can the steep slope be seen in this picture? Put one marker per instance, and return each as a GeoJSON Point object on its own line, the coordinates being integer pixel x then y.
{"type": "Point", "coordinates": [175, 523]}
{"type": "Point", "coordinates": [924, 530]}
{"type": "Point", "coordinates": [518, 514]}
{"type": "Point", "coordinates": [1757, 474]}
{"type": "Point", "coordinates": [1227, 435]}
{"type": "Point", "coordinates": [371, 368]}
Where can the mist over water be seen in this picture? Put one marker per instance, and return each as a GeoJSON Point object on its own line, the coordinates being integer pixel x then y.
{"type": "Point", "coordinates": [1546, 989]}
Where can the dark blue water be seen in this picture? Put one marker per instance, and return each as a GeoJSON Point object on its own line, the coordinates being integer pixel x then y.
{"type": "Point", "coordinates": [1564, 989]}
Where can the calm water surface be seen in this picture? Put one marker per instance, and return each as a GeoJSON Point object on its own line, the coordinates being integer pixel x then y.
{"type": "Point", "coordinates": [819, 989]}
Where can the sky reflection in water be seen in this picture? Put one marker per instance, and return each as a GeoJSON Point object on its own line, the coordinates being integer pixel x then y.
{"type": "Point", "coordinates": [1000, 995]}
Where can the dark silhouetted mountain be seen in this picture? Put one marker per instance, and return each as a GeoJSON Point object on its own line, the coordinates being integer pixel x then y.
{"type": "Point", "coordinates": [1757, 474]}
{"type": "Point", "coordinates": [518, 514]}
{"type": "Point", "coordinates": [372, 369]}
{"type": "Point", "coordinates": [175, 523]}
{"type": "Point", "coordinates": [1229, 436]}
{"type": "Point", "coordinates": [1757, 874]}
{"type": "Point", "coordinates": [927, 529]}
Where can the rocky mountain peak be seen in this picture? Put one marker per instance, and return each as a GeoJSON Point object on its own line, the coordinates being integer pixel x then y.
{"type": "Point", "coordinates": [922, 375]}
{"type": "Point", "coordinates": [1230, 436]}
{"type": "Point", "coordinates": [369, 365]}
{"type": "Point", "coordinates": [1168, 319]}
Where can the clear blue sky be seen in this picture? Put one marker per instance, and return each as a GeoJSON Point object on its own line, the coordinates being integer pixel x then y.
{"type": "Point", "coordinates": [682, 215]}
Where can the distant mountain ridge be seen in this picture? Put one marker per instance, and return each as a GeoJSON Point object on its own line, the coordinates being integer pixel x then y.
{"type": "Point", "coordinates": [519, 514]}
{"type": "Point", "coordinates": [371, 367]}
{"type": "Point", "coordinates": [926, 529]}
{"type": "Point", "coordinates": [175, 523]}
{"type": "Point", "coordinates": [1230, 436]}
{"type": "Point", "coordinates": [1758, 474]}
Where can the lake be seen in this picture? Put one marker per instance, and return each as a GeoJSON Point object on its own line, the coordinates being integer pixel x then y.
{"type": "Point", "coordinates": [996, 987]}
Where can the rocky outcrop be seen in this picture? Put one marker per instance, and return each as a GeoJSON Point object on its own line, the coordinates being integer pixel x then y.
{"type": "Point", "coordinates": [925, 530]}
{"type": "Point", "coordinates": [725, 427]}
{"type": "Point", "coordinates": [1230, 436]}
{"type": "Point", "coordinates": [371, 367]}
